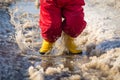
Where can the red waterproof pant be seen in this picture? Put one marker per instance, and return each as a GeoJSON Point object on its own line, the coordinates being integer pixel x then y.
{"type": "Point", "coordinates": [51, 14]}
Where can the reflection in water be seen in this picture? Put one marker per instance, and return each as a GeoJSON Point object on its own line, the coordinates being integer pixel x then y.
{"type": "Point", "coordinates": [69, 61]}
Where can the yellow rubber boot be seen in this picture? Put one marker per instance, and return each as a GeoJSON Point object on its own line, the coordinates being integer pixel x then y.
{"type": "Point", "coordinates": [70, 44]}
{"type": "Point", "coordinates": [46, 46]}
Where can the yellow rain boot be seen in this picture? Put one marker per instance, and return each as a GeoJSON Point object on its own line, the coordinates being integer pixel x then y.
{"type": "Point", "coordinates": [46, 46]}
{"type": "Point", "coordinates": [70, 44]}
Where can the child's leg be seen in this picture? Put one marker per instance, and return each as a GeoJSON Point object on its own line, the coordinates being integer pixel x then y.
{"type": "Point", "coordinates": [50, 24]}
{"type": "Point", "coordinates": [50, 20]}
{"type": "Point", "coordinates": [74, 23]}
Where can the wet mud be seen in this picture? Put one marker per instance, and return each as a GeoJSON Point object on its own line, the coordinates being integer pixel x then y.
{"type": "Point", "coordinates": [11, 63]}
{"type": "Point", "coordinates": [20, 41]}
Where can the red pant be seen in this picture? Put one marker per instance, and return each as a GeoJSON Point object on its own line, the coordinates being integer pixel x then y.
{"type": "Point", "coordinates": [51, 14]}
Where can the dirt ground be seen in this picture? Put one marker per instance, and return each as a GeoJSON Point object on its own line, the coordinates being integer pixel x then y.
{"type": "Point", "coordinates": [20, 40]}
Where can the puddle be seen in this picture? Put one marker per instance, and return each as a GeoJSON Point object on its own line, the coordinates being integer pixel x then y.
{"type": "Point", "coordinates": [19, 26]}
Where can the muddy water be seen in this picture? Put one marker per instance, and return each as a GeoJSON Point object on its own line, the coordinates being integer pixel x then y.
{"type": "Point", "coordinates": [12, 64]}
{"type": "Point", "coordinates": [29, 65]}
{"type": "Point", "coordinates": [27, 36]}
